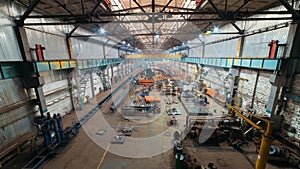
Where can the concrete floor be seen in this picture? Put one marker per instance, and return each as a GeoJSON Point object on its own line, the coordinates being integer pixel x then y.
{"type": "Point", "coordinates": [149, 147]}
{"type": "Point", "coordinates": [88, 151]}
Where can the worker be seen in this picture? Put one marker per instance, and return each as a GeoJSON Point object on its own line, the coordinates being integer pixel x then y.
{"type": "Point", "coordinates": [60, 126]}
{"type": "Point", "coordinates": [173, 120]}
{"type": "Point", "coordinates": [55, 128]}
{"type": "Point", "coordinates": [203, 100]}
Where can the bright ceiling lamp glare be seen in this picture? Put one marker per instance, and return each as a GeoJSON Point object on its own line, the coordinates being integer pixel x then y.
{"type": "Point", "coordinates": [156, 36]}
{"type": "Point", "coordinates": [216, 29]}
{"type": "Point", "coordinates": [102, 31]}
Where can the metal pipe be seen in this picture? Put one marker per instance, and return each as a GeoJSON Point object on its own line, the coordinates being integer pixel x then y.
{"type": "Point", "coordinates": [265, 146]}
{"type": "Point", "coordinates": [245, 118]}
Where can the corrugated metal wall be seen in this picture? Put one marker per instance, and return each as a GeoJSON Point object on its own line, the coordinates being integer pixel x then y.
{"type": "Point", "coordinates": [257, 45]}
{"type": "Point", "coordinates": [111, 52]}
{"type": "Point", "coordinates": [223, 49]}
{"type": "Point", "coordinates": [55, 44]}
{"type": "Point", "coordinates": [9, 48]}
{"type": "Point", "coordinates": [16, 122]}
{"type": "Point", "coordinates": [196, 52]}
{"type": "Point", "coordinates": [11, 91]}
{"type": "Point", "coordinates": [87, 49]}
{"type": "Point", "coordinates": [60, 102]}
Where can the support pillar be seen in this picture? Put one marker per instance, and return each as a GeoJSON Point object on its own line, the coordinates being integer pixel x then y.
{"type": "Point", "coordinates": [23, 43]}
{"type": "Point", "coordinates": [254, 90]}
{"type": "Point", "coordinates": [37, 83]}
{"type": "Point", "coordinates": [112, 71]}
{"type": "Point", "coordinates": [122, 67]}
{"type": "Point", "coordinates": [203, 50]}
{"type": "Point", "coordinates": [92, 84]}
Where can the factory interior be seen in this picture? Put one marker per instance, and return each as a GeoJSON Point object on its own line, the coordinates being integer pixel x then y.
{"type": "Point", "coordinates": [149, 84]}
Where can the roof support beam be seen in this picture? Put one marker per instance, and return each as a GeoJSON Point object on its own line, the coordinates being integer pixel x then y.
{"type": "Point", "coordinates": [73, 30]}
{"type": "Point", "coordinates": [158, 21]}
{"type": "Point", "coordinates": [153, 6]}
{"type": "Point", "coordinates": [139, 6]}
{"type": "Point", "coordinates": [27, 13]}
{"type": "Point", "coordinates": [216, 9]}
{"type": "Point", "coordinates": [237, 28]}
{"type": "Point", "coordinates": [166, 6]}
{"type": "Point", "coordinates": [244, 4]}
{"type": "Point", "coordinates": [164, 13]}
{"type": "Point", "coordinates": [82, 7]}
{"type": "Point", "coordinates": [63, 6]}
{"type": "Point", "coordinates": [295, 14]}
{"type": "Point", "coordinates": [95, 7]}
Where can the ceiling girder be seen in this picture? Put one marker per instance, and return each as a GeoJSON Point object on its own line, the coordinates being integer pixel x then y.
{"type": "Point", "coordinates": [216, 9]}
{"type": "Point", "coordinates": [95, 7]}
{"type": "Point", "coordinates": [166, 6]}
{"type": "Point", "coordinates": [240, 14]}
{"type": "Point", "coordinates": [73, 30]}
{"type": "Point", "coordinates": [237, 28]}
{"type": "Point", "coordinates": [25, 15]}
{"type": "Point", "coordinates": [82, 6]}
{"type": "Point", "coordinates": [139, 6]}
{"type": "Point", "coordinates": [64, 7]}
{"type": "Point", "coordinates": [158, 21]}
{"type": "Point", "coordinates": [153, 6]}
{"type": "Point", "coordinates": [242, 6]}
{"type": "Point", "coordinates": [295, 14]}
{"type": "Point", "coordinates": [150, 5]}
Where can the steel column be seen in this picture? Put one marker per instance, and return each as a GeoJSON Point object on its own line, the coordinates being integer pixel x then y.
{"type": "Point", "coordinates": [254, 90]}
{"type": "Point", "coordinates": [92, 83]}
{"type": "Point", "coordinates": [23, 43]}
{"type": "Point", "coordinates": [41, 100]}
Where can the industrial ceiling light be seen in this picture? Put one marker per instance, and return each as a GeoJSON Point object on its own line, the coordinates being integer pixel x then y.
{"type": "Point", "coordinates": [156, 36]}
{"type": "Point", "coordinates": [102, 30]}
{"type": "Point", "coordinates": [216, 29]}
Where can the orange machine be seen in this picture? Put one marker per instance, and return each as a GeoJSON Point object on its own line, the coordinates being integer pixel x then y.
{"type": "Point", "coordinates": [146, 82]}
{"type": "Point", "coordinates": [211, 92]}
{"type": "Point", "coordinates": [142, 81]}
{"type": "Point", "coordinates": [151, 99]}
